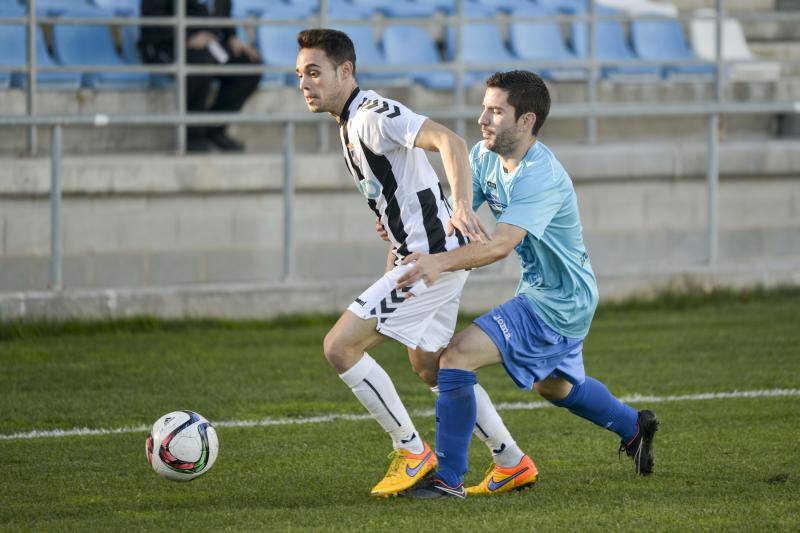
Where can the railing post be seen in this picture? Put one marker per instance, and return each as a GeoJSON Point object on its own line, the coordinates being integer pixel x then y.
{"type": "Point", "coordinates": [55, 209]}
{"type": "Point", "coordinates": [180, 74]}
{"type": "Point", "coordinates": [31, 93]}
{"type": "Point", "coordinates": [591, 84]}
{"type": "Point", "coordinates": [712, 172]}
{"type": "Point", "coordinates": [461, 127]}
{"type": "Point", "coordinates": [288, 201]}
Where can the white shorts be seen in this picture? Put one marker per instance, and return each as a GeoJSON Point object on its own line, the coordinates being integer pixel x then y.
{"type": "Point", "coordinates": [426, 321]}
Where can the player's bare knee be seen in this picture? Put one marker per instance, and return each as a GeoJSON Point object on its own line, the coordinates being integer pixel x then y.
{"type": "Point", "coordinates": [553, 389]}
{"type": "Point", "coordinates": [336, 352]}
{"type": "Point", "coordinates": [428, 375]}
{"type": "Point", "coordinates": [452, 357]}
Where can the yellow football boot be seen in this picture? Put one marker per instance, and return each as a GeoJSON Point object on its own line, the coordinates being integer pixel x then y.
{"type": "Point", "coordinates": [405, 470]}
{"type": "Point", "coordinates": [499, 479]}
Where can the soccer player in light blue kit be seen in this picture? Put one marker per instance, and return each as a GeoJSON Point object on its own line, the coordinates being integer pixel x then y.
{"type": "Point", "coordinates": [537, 335]}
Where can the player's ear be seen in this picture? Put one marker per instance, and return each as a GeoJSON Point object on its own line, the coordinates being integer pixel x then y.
{"type": "Point", "coordinates": [346, 69]}
{"type": "Point", "coordinates": [528, 121]}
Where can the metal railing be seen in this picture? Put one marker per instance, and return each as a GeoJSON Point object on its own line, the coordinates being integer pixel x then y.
{"type": "Point", "coordinates": [590, 110]}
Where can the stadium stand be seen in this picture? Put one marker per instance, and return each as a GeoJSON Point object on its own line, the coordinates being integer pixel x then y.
{"type": "Point", "coordinates": [13, 40]}
{"type": "Point", "coordinates": [368, 53]}
{"type": "Point", "coordinates": [611, 44]}
{"type": "Point", "coordinates": [641, 7]}
{"type": "Point", "coordinates": [397, 8]}
{"type": "Point", "coordinates": [480, 44]}
{"type": "Point", "coordinates": [93, 44]}
{"type": "Point", "coordinates": [703, 33]}
{"type": "Point", "coordinates": [278, 48]}
{"type": "Point", "coordinates": [663, 40]}
{"type": "Point", "coordinates": [542, 40]}
{"type": "Point", "coordinates": [405, 45]}
{"type": "Point", "coordinates": [120, 8]}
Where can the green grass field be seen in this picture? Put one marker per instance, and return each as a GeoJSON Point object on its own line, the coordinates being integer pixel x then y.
{"type": "Point", "coordinates": [721, 464]}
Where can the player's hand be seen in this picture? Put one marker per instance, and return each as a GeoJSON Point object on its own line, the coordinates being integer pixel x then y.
{"type": "Point", "coordinates": [382, 233]}
{"type": "Point", "coordinates": [467, 222]}
{"type": "Point", "coordinates": [200, 40]}
{"type": "Point", "coordinates": [425, 267]}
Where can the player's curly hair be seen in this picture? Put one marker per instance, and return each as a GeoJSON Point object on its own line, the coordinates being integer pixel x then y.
{"type": "Point", "coordinates": [527, 93]}
{"type": "Point", "coordinates": [336, 44]}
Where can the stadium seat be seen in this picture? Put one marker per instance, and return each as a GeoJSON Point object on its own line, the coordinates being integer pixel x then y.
{"type": "Point", "coordinates": [369, 54]}
{"type": "Point", "coordinates": [278, 48]}
{"type": "Point", "coordinates": [92, 44]}
{"type": "Point", "coordinates": [120, 8]}
{"type": "Point", "coordinates": [13, 51]}
{"type": "Point", "coordinates": [542, 40]}
{"type": "Point", "coordinates": [507, 6]}
{"type": "Point", "coordinates": [611, 44]}
{"type": "Point", "coordinates": [703, 33]}
{"type": "Point", "coordinates": [480, 44]}
{"type": "Point", "coordinates": [641, 7]}
{"type": "Point", "coordinates": [340, 9]}
{"type": "Point", "coordinates": [411, 44]}
{"type": "Point", "coordinates": [397, 8]}
{"type": "Point", "coordinates": [447, 7]}
{"type": "Point", "coordinates": [58, 8]}
{"type": "Point", "coordinates": [565, 6]}
{"type": "Point", "coordinates": [663, 40]}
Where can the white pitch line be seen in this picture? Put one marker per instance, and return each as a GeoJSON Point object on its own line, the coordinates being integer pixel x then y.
{"type": "Point", "coordinates": [518, 406]}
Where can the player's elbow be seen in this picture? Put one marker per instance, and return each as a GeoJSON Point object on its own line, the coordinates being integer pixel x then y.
{"type": "Point", "coordinates": [501, 249]}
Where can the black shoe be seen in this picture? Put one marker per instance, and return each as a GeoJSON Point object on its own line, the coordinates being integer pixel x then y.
{"type": "Point", "coordinates": [225, 143]}
{"type": "Point", "coordinates": [640, 446]}
{"type": "Point", "coordinates": [199, 145]}
{"type": "Point", "coordinates": [433, 488]}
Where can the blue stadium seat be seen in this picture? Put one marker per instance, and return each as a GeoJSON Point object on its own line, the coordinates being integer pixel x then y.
{"type": "Point", "coordinates": [480, 43]}
{"type": "Point", "coordinates": [13, 51]}
{"type": "Point", "coordinates": [278, 48]}
{"type": "Point", "coordinates": [120, 8]}
{"type": "Point", "coordinates": [542, 40]}
{"type": "Point", "coordinates": [565, 6]}
{"type": "Point", "coordinates": [663, 39]}
{"type": "Point", "coordinates": [447, 7]}
{"type": "Point", "coordinates": [369, 54]}
{"type": "Point", "coordinates": [93, 45]}
{"type": "Point", "coordinates": [611, 44]}
{"type": "Point", "coordinates": [397, 8]}
{"type": "Point", "coordinates": [471, 8]}
{"type": "Point", "coordinates": [340, 9]}
{"type": "Point", "coordinates": [58, 8]}
{"type": "Point", "coordinates": [507, 6]}
{"type": "Point", "coordinates": [403, 45]}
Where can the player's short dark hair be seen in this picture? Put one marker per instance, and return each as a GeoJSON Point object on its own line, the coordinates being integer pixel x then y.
{"type": "Point", "coordinates": [336, 44]}
{"type": "Point", "coordinates": [527, 93]}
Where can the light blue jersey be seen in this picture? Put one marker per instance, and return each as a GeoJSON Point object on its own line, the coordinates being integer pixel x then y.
{"type": "Point", "coordinates": [557, 276]}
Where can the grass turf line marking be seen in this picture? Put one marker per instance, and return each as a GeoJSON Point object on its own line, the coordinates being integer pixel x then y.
{"type": "Point", "coordinates": [517, 406]}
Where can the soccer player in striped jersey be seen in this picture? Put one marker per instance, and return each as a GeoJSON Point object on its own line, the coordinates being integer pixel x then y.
{"type": "Point", "coordinates": [383, 143]}
{"type": "Point", "coordinates": [537, 335]}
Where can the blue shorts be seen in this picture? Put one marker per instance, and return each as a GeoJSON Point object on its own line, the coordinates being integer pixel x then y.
{"type": "Point", "coordinates": [531, 350]}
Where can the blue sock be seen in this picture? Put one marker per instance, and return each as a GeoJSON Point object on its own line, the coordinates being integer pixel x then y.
{"type": "Point", "coordinates": [455, 419]}
{"type": "Point", "coordinates": [592, 400]}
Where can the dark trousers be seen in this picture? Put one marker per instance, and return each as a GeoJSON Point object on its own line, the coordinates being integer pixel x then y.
{"type": "Point", "coordinates": [232, 94]}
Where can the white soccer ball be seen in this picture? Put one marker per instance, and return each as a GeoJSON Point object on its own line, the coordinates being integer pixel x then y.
{"type": "Point", "coordinates": [182, 446]}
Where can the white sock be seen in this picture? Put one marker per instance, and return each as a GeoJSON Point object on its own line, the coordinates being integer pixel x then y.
{"type": "Point", "coordinates": [489, 427]}
{"type": "Point", "coordinates": [375, 390]}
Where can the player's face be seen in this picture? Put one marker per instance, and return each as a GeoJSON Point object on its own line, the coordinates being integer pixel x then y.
{"type": "Point", "coordinates": [319, 80]}
{"type": "Point", "coordinates": [500, 130]}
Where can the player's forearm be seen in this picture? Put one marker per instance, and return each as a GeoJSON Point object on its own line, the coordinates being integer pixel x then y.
{"type": "Point", "coordinates": [390, 258]}
{"type": "Point", "coordinates": [473, 255]}
{"type": "Point", "coordinates": [456, 168]}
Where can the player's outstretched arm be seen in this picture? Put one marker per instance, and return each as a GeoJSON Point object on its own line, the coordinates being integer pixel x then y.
{"type": "Point", "coordinates": [434, 137]}
{"type": "Point", "coordinates": [475, 254]}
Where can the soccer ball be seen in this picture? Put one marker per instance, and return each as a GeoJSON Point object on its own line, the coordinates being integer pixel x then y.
{"type": "Point", "coordinates": [182, 446]}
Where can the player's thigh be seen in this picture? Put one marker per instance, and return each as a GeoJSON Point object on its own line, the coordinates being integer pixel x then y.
{"type": "Point", "coordinates": [470, 349]}
{"type": "Point", "coordinates": [425, 364]}
{"type": "Point", "coordinates": [348, 339]}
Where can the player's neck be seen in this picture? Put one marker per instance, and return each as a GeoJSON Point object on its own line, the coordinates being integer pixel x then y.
{"type": "Point", "coordinates": [512, 160]}
{"type": "Point", "coordinates": [343, 101]}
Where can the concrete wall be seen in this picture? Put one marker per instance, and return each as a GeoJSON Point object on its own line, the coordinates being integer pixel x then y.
{"type": "Point", "coordinates": [165, 221]}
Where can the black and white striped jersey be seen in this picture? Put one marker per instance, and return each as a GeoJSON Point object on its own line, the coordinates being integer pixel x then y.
{"type": "Point", "coordinates": [394, 176]}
